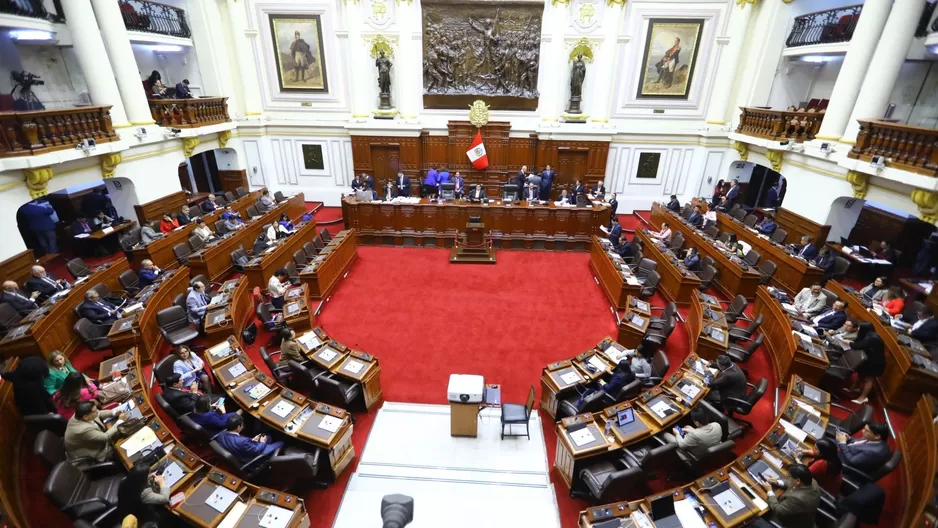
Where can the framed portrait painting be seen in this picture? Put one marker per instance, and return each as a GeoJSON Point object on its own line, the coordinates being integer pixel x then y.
{"type": "Point", "coordinates": [301, 65]}
{"type": "Point", "coordinates": [670, 57]}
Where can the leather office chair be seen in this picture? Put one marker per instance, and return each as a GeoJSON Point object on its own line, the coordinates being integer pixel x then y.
{"type": "Point", "coordinates": [54, 423]}
{"type": "Point", "coordinates": [593, 402]}
{"type": "Point", "coordinates": [659, 368]}
{"type": "Point", "coordinates": [686, 211]}
{"type": "Point", "coordinates": [712, 231]}
{"type": "Point", "coordinates": [252, 212]}
{"type": "Point", "coordinates": [191, 429]}
{"type": "Point", "coordinates": [706, 275]}
{"type": "Point", "coordinates": [514, 414]}
{"type": "Point", "coordinates": [605, 478]}
{"type": "Point", "coordinates": [910, 312]}
{"type": "Point", "coordinates": [707, 261]}
{"type": "Point", "coordinates": [854, 479]}
{"type": "Point", "coordinates": [174, 325]}
{"type": "Point", "coordinates": [739, 213]}
{"type": "Point", "coordinates": [130, 281]}
{"type": "Point", "coordinates": [695, 463]}
{"type": "Point", "coordinates": [743, 406]}
{"type": "Point", "coordinates": [251, 470]}
{"type": "Point", "coordinates": [654, 340]}
{"type": "Point", "coordinates": [220, 228]}
{"type": "Point", "coordinates": [48, 448]}
{"type": "Point", "coordinates": [305, 377]}
{"type": "Point", "coordinates": [317, 243]}
{"type": "Point", "coordinates": [844, 367]}
{"type": "Point", "coordinates": [9, 317]}
{"type": "Point", "coordinates": [310, 250]}
{"type": "Point", "coordinates": [669, 310]}
{"type": "Point", "coordinates": [740, 354]}
{"type": "Point", "coordinates": [290, 268]}
{"type": "Point", "coordinates": [127, 243]}
{"type": "Point", "coordinates": [77, 268]}
{"type": "Point", "coordinates": [645, 266]}
{"type": "Point", "coordinates": [182, 252]}
{"type": "Point", "coordinates": [115, 297]}
{"type": "Point", "coordinates": [282, 374]}
{"type": "Point", "coordinates": [241, 192]}
{"type": "Point", "coordinates": [239, 255]}
{"type": "Point", "coordinates": [852, 424]}
{"type": "Point", "coordinates": [270, 320]}
{"type": "Point", "coordinates": [229, 196]}
{"type": "Point", "coordinates": [338, 392]}
{"type": "Point", "coordinates": [841, 266]}
{"type": "Point", "coordinates": [740, 333]}
{"type": "Point", "coordinates": [167, 408]}
{"type": "Point", "coordinates": [220, 200]}
{"type": "Point", "coordinates": [196, 242]}
{"type": "Point", "coordinates": [735, 309]}
{"type": "Point", "coordinates": [279, 197]}
{"type": "Point", "coordinates": [766, 271]}
{"type": "Point", "coordinates": [652, 457]}
{"type": "Point", "coordinates": [723, 237]}
{"type": "Point", "coordinates": [326, 237]}
{"type": "Point", "coordinates": [94, 336]}
{"type": "Point", "coordinates": [299, 258]}
{"type": "Point", "coordinates": [677, 243]}
{"type": "Point", "coordinates": [77, 495]}
{"type": "Point", "coordinates": [779, 235]}
{"type": "Point", "coordinates": [650, 284]}
{"type": "Point", "coordinates": [750, 220]}
{"type": "Point", "coordinates": [163, 368]}
{"type": "Point", "coordinates": [752, 257]}
{"type": "Point", "coordinates": [831, 297]}
{"type": "Point", "coordinates": [180, 300]}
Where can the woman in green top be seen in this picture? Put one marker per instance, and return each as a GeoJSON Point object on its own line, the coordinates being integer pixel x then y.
{"type": "Point", "coordinates": [59, 367]}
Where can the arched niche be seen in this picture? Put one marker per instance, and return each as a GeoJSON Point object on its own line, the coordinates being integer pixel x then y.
{"type": "Point", "coordinates": [212, 170]}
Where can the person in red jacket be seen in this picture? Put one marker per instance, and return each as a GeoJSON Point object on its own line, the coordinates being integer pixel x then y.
{"type": "Point", "coordinates": [168, 223]}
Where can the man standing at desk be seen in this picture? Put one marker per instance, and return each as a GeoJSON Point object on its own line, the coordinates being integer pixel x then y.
{"type": "Point", "coordinates": [459, 185]}
{"type": "Point", "coordinates": [197, 305]}
{"type": "Point", "coordinates": [21, 303]}
{"type": "Point", "coordinates": [615, 233]}
{"type": "Point", "coordinates": [429, 183]}
{"type": "Point", "coordinates": [277, 286]}
{"type": "Point", "coordinates": [733, 194]}
{"type": "Point", "coordinates": [44, 284]}
{"type": "Point", "coordinates": [729, 383]}
{"type": "Point", "coordinates": [547, 181]}
{"type": "Point", "coordinates": [810, 301]}
{"type": "Point", "coordinates": [403, 184]}
{"type": "Point", "coordinates": [245, 449]}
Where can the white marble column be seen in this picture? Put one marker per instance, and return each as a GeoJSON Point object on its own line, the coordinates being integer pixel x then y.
{"type": "Point", "coordinates": [856, 63]}
{"type": "Point", "coordinates": [729, 62]}
{"type": "Point", "coordinates": [111, 24]}
{"type": "Point", "coordinates": [216, 65]}
{"type": "Point", "coordinates": [250, 84]}
{"type": "Point", "coordinates": [604, 66]}
{"type": "Point", "coordinates": [757, 74]}
{"type": "Point", "coordinates": [884, 68]}
{"type": "Point", "coordinates": [407, 74]}
{"type": "Point", "coordinates": [93, 58]}
{"type": "Point", "coordinates": [551, 70]}
{"type": "Point", "coordinates": [358, 63]}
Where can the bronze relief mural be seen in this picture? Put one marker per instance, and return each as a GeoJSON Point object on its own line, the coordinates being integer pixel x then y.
{"type": "Point", "coordinates": [481, 49]}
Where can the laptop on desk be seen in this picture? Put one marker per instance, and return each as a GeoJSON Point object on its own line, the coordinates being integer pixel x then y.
{"type": "Point", "coordinates": [662, 512]}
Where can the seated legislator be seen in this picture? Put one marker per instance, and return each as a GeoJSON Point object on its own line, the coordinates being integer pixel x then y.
{"type": "Point", "coordinates": [232, 219]}
{"type": "Point", "coordinates": [477, 194]}
{"type": "Point", "coordinates": [191, 368]}
{"type": "Point", "coordinates": [692, 260]}
{"type": "Point", "coordinates": [242, 448]}
{"type": "Point", "coordinates": [277, 286]}
{"type": "Point", "coordinates": [664, 234]}
{"type": "Point", "coordinates": [183, 217]}
{"type": "Point", "coordinates": [261, 243]}
{"type": "Point", "coordinates": [148, 234]}
{"type": "Point", "coordinates": [81, 226]}
{"type": "Point", "coordinates": [925, 328]}
{"type": "Point", "coordinates": [102, 220]}
{"type": "Point", "coordinates": [621, 376]}
{"type": "Point", "coordinates": [181, 397]}
{"type": "Point", "coordinates": [846, 333]}
{"type": "Point", "coordinates": [831, 319]}
{"type": "Point", "coordinates": [796, 507]}
{"type": "Point", "coordinates": [208, 205]}
{"type": "Point", "coordinates": [182, 90]}
{"type": "Point", "coordinates": [211, 416]}
{"type": "Point", "coordinates": [614, 232]}
{"type": "Point", "coordinates": [867, 453]}
{"type": "Point", "coordinates": [285, 227]}
{"type": "Point", "coordinates": [564, 198]}
{"type": "Point", "coordinates": [767, 226]}
{"type": "Point", "coordinates": [45, 284]}
{"type": "Point", "coordinates": [876, 290]}
{"type": "Point", "coordinates": [730, 382]}
{"type": "Point", "coordinates": [86, 435]}
{"type": "Point", "coordinates": [598, 192]}
{"type": "Point", "coordinates": [23, 304]}
{"type": "Point", "coordinates": [75, 390]}
{"type": "Point", "coordinates": [265, 202]}
{"type": "Point", "coordinates": [203, 231]}
{"type": "Point", "coordinates": [139, 496]}
{"type": "Point", "coordinates": [97, 310]}
{"type": "Point", "coordinates": [459, 185]}
{"type": "Point", "coordinates": [148, 273]}
{"type": "Point", "coordinates": [289, 348]}
{"type": "Point", "coordinates": [197, 305]}
{"type": "Point", "coordinates": [825, 260]}
{"type": "Point", "coordinates": [531, 193]}
{"type": "Point", "coordinates": [402, 184]}
{"type": "Point", "coordinates": [810, 301]}
{"type": "Point", "coordinates": [805, 249]}
{"type": "Point", "coordinates": [883, 251]}
{"type": "Point", "coordinates": [673, 204]}
{"type": "Point", "coordinates": [696, 218]}
{"type": "Point", "coordinates": [624, 249]}
{"type": "Point", "coordinates": [724, 205]}
{"type": "Point", "coordinates": [696, 439]}
{"type": "Point", "coordinates": [168, 223]}
{"type": "Point", "coordinates": [389, 193]}
{"type": "Point", "coordinates": [534, 178]}
{"type": "Point", "coordinates": [894, 301]}
{"type": "Point", "coordinates": [58, 369]}
{"type": "Point", "coordinates": [578, 189]}
{"type": "Point", "coordinates": [826, 468]}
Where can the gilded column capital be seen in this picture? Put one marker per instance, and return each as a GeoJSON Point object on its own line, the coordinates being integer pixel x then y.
{"type": "Point", "coordinates": [743, 149]}
{"type": "Point", "coordinates": [109, 163]}
{"type": "Point", "coordinates": [189, 144]}
{"type": "Point", "coordinates": [860, 182]}
{"type": "Point", "coordinates": [927, 202]}
{"type": "Point", "coordinates": [37, 181]}
{"type": "Point", "coordinates": [556, 3]}
{"type": "Point", "coordinates": [775, 156]}
{"type": "Point", "coordinates": [612, 3]}
{"type": "Point", "coordinates": [223, 138]}
{"type": "Point", "coordinates": [742, 3]}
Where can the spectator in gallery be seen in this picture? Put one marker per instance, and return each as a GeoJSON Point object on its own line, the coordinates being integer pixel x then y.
{"type": "Point", "coordinates": [182, 90]}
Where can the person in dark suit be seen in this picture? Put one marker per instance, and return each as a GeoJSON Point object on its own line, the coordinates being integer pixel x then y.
{"type": "Point", "coordinates": [578, 189]}
{"type": "Point", "coordinates": [598, 191]}
{"type": "Point", "coordinates": [884, 251]}
{"type": "Point", "coordinates": [182, 90]}
{"type": "Point", "coordinates": [729, 383]}
{"type": "Point", "coordinates": [674, 205]}
{"type": "Point", "coordinates": [81, 226]}
{"type": "Point", "coordinates": [38, 218]}
{"type": "Point", "coordinates": [209, 205]}
{"type": "Point", "coordinates": [806, 249]}
{"type": "Point", "coordinates": [547, 181]}
{"type": "Point", "coordinates": [696, 219]}
{"type": "Point", "coordinates": [242, 448]}
{"type": "Point", "coordinates": [614, 232]}
{"type": "Point", "coordinates": [95, 202]}
{"type": "Point", "coordinates": [723, 206]}
{"type": "Point", "coordinates": [402, 184]}
{"type": "Point", "coordinates": [768, 225]}
{"type": "Point", "coordinates": [565, 198]}
{"type": "Point", "coordinates": [925, 328]}
{"type": "Point", "coordinates": [771, 197]}
{"type": "Point", "coordinates": [97, 310]}
{"type": "Point", "coordinates": [532, 193]}
{"type": "Point", "coordinates": [46, 285]}
{"type": "Point", "coordinates": [825, 261]}
{"type": "Point", "coordinates": [390, 192]}
{"type": "Point", "coordinates": [692, 259]}
{"type": "Point", "coordinates": [733, 194]}
{"type": "Point", "coordinates": [833, 318]}
{"type": "Point", "coordinates": [477, 194]}
{"type": "Point", "coordinates": [459, 185]}
{"type": "Point", "coordinates": [149, 273]}
{"type": "Point", "coordinates": [624, 249]}
{"type": "Point", "coordinates": [613, 206]}
{"type": "Point", "coordinates": [369, 181]}
{"type": "Point", "coordinates": [867, 453]}
{"type": "Point", "coordinates": [183, 216]}
{"type": "Point", "coordinates": [520, 178]}
{"type": "Point", "coordinates": [181, 399]}
{"type": "Point", "coordinates": [797, 507]}
{"type": "Point", "coordinates": [23, 304]}
{"type": "Point", "coordinates": [875, 365]}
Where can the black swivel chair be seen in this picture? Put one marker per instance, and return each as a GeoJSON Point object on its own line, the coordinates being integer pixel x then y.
{"type": "Point", "coordinates": [283, 374]}
{"type": "Point", "coordinates": [766, 271]}
{"type": "Point", "coordinates": [326, 237]}
{"type": "Point", "coordinates": [288, 466]}
{"type": "Point", "coordinates": [668, 311]}
{"type": "Point", "coordinates": [180, 300]}
{"type": "Point", "coordinates": [220, 228]}
{"type": "Point", "coordinates": [310, 250]}
{"type": "Point", "coordinates": [677, 243]}
{"type": "Point", "coordinates": [854, 478]}
{"type": "Point", "coordinates": [654, 340]}
{"type": "Point", "coordinates": [750, 220]}
{"type": "Point", "coordinates": [650, 284]}
{"type": "Point", "coordinates": [130, 281]}
{"type": "Point", "coordinates": [706, 275]}
{"type": "Point", "coordinates": [843, 368]}
{"type": "Point", "coordinates": [743, 406]}
{"type": "Point", "coordinates": [338, 392]}
{"type": "Point", "coordinates": [279, 197]}
{"type": "Point", "coordinates": [739, 353]}
{"type": "Point", "coordinates": [241, 192]}
{"type": "Point", "coordinates": [182, 252]}
{"type": "Point", "coordinates": [252, 212]}
{"type": "Point", "coordinates": [174, 325]}
{"type": "Point", "coordinates": [712, 231]}
{"type": "Point", "coordinates": [299, 258]}
{"type": "Point", "coordinates": [238, 257]}
{"type": "Point", "coordinates": [841, 266]}
{"type": "Point", "coordinates": [54, 423]}
{"type": "Point", "coordinates": [196, 242]}
{"type": "Point", "coordinates": [593, 402]}
{"type": "Point", "coordinates": [317, 243]}
{"type": "Point", "coordinates": [752, 257]}
{"type": "Point", "coordinates": [9, 317]}
{"type": "Point", "coordinates": [229, 196]}
{"type": "Point", "coordinates": [852, 424]}
{"type": "Point", "coordinates": [48, 448]}
{"type": "Point", "coordinates": [78, 268]}
{"type": "Point", "coordinates": [603, 479]}
{"type": "Point", "coordinates": [707, 261]}
{"type": "Point", "coordinates": [305, 377]}
{"type": "Point", "coordinates": [738, 333]}
{"type": "Point", "coordinates": [163, 368]}
{"type": "Point", "coordinates": [735, 310]}
{"type": "Point", "coordinates": [167, 408]}
{"type": "Point", "coordinates": [94, 336]}
{"type": "Point", "coordinates": [779, 235]}
{"type": "Point", "coordinates": [77, 495]}
{"type": "Point", "coordinates": [514, 414]}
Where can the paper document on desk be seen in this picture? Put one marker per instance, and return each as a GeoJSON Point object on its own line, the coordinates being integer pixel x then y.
{"type": "Point", "coordinates": [793, 430]}
{"type": "Point", "coordinates": [283, 409]}
{"type": "Point", "coordinates": [790, 308]}
{"type": "Point", "coordinates": [82, 235]}
{"type": "Point", "coordinates": [596, 363]}
{"type": "Point", "coordinates": [687, 515]}
{"type": "Point", "coordinates": [236, 370]}
{"type": "Point", "coordinates": [330, 423]}
{"type": "Point", "coordinates": [690, 390]}
{"type": "Point", "coordinates": [760, 504]}
{"type": "Point", "coordinates": [259, 391]}
{"type": "Point", "coordinates": [616, 354]}
{"type": "Point", "coordinates": [221, 499]}
{"type": "Point", "coordinates": [632, 281]}
{"type": "Point", "coordinates": [310, 340]}
{"type": "Point", "coordinates": [132, 308]}
{"type": "Point", "coordinates": [661, 408]}
{"type": "Point", "coordinates": [354, 366]}
{"type": "Point", "coordinates": [275, 517]}
{"type": "Point", "coordinates": [231, 520]}
{"type": "Point", "coordinates": [139, 441]}
{"type": "Point", "coordinates": [729, 502]}
{"type": "Point", "coordinates": [880, 261]}
{"type": "Point", "coordinates": [570, 378]}
{"type": "Point", "coordinates": [804, 337]}
{"type": "Point", "coordinates": [172, 474]}
{"type": "Point", "coordinates": [582, 437]}
{"type": "Point", "coordinates": [807, 408]}
{"type": "Point", "coordinates": [328, 355]}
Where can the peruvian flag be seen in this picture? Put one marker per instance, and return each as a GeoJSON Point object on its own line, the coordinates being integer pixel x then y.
{"type": "Point", "coordinates": [476, 153]}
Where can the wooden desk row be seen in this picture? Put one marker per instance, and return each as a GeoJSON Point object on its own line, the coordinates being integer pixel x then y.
{"type": "Point", "coordinates": [678, 284]}
{"type": "Point", "coordinates": [736, 476]}
{"type": "Point", "coordinates": [613, 275]}
{"type": "Point", "coordinates": [160, 251]}
{"type": "Point", "coordinates": [707, 328]}
{"type": "Point", "coordinates": [50, 327]}
{"type": "Point", "coordinates": [262, 267]}
{"type": "Point", "coordinates": [798, 226]}
{"type": "Point", "coordinates": [325, 270]}
{"type": "Point", "coordinates": [731, 279]}
{"type": "Point", "coordinates": [513, 226]}
{"type": "Point", "coordinates": [235, 315]}
{"type": "Point", "coordinates": [787, 351]}
{"type": "Point", "coordinates": [353, 365]}
{"type": "Point", "coordinates": [791, 273]}
{"type": "Point", "coordinates": [919, 444]}
{"type": "Point", "coordinates": [903, 382]}
{"type": "Point", "coordinates": [202, 481]}
{"type": "Point", "coordinates": [214, 260]}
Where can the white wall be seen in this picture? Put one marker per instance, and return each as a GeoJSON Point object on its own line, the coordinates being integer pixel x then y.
{"type": "Point", "coordinates": [123, 195]}
{"type": "Point", "coordinates": [740, 171]}
{"type": "Point", "coordinates": [57, 66]}
{"type": "Point", "coordinates": [843, 216]}
{"type": "Point", "coordinates": [798, 81]}
{"type": "Point", "coordinates": [174, 66]}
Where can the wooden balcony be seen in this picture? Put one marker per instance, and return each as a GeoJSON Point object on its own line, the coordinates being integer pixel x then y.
{"type": "Point", "coordinates": [189, 113]}
{"type": "Point", "coordinates": [780, 125]}
{"type": "Point", "coordinates": [905, 147]}
{"type": "Point", "coordinates": [41, 131]}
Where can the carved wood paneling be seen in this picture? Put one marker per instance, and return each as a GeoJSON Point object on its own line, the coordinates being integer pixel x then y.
{"type": "Point", "coordinates": [17, 268]}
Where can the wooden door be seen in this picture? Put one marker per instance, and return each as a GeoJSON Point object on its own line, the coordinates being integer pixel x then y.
{"type": "Point", "coordinates": [184, 177]}
{"type": "Point", "coordinates": [385, 161]}
{"type": "Point", "coordinates": [571, 166]}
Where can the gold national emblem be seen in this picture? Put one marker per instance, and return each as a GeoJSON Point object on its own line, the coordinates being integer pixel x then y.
{"type": "Point", "coordinates": [479, 113]}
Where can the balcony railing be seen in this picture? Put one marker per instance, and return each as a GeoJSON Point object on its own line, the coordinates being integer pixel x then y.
{"type": "Point", "coordinates": [824, 27]}
{"type": "Point", "coordinates": [189, 113]}
{"type": "Point", "coordinates": [153, 17]}
{"type": "Point", "coordinates": [32, 9]}
{"type": "Point", "coordinates": [38, 132]}
{"type": "Point", "coordinates": [780, 124]}
{"type": "Point", "coordinates": [905, 147]}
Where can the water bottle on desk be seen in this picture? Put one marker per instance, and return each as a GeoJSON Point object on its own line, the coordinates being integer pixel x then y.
{"type": "Point", "coordinates": [609, 434]}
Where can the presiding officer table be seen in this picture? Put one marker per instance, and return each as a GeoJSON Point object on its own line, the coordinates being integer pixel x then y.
{"type": "Point", "coordinates": [520, 226]}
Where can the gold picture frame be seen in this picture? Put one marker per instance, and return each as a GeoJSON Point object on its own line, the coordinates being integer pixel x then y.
{"type": "Point", "coordinates": [669, 42]}
{"type": "Point", "coordinates": [298, 48]}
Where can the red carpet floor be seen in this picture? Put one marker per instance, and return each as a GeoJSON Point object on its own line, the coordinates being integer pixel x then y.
{"type": "Point", "coordinates": [425, 318]}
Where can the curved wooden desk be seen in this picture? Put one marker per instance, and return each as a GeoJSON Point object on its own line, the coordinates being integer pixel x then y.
{"type": "Point", "coordinates": [919, 447]}
{"type": "Point", "coordinates": [786, 351]}
{"type": "Point", "coordinates": [766, 452]}
{"type": "Point", "coordinates": [262, 267]}
{"type": "Point", "coordinates": [353, 365]}
{"type": "Point", "coordinates": [235, 315]}
{"type": "Point", "coordinates": [513, 227]}
{"type": "Point", "coordinates": [707, 329]}
{"type": "Point", "coordinates": [50, 327]}
{"type": "Point", "coordinates": [611, 273]}
{"type": "Point", "coordinates": [140, 329]}
{"type": "Point", "coordinates": [324, 272]}
{"type": "Point", "coordinates": [678, 284]}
